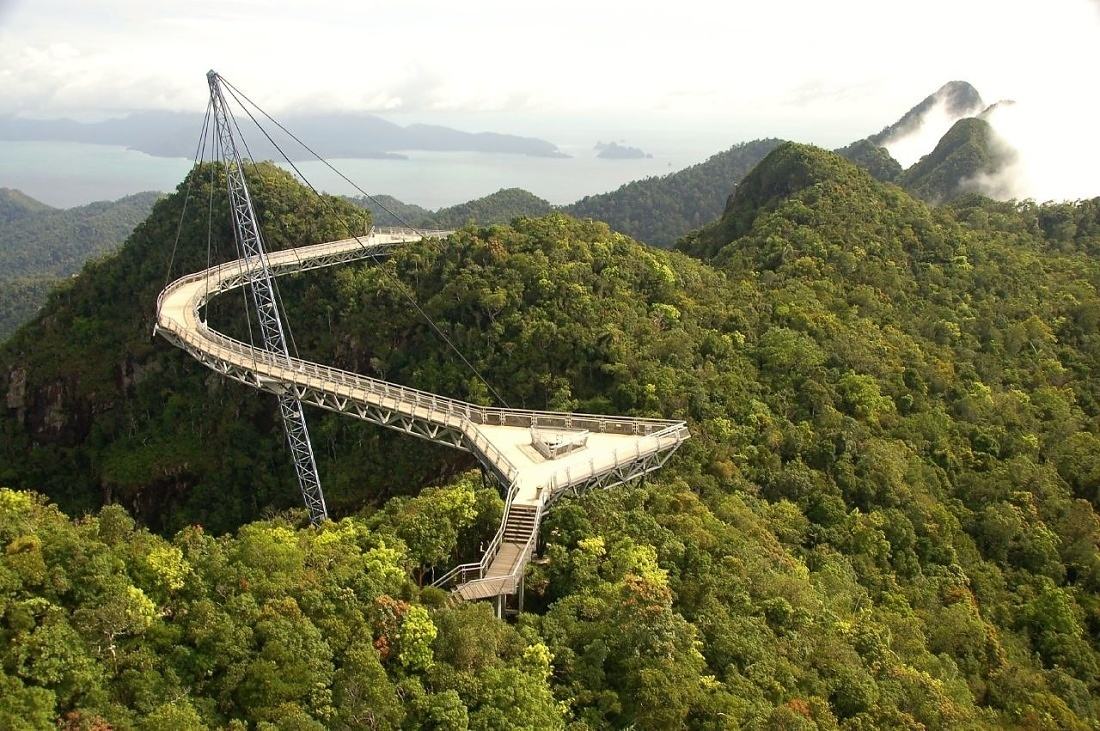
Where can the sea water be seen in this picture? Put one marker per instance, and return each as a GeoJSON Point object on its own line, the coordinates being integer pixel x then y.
{"type": "Point", "coordinates": [67, 174]}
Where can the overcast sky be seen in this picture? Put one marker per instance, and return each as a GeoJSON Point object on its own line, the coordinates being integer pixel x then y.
{"type": "Point", "coordinates": [813, 71]}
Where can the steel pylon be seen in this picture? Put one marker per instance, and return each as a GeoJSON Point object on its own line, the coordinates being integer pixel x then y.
{"type": "Point", "coordinates": [250, 241]}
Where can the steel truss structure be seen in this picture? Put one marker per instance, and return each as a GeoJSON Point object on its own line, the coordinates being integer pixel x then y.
{"type": "Point", "coordinates": [246, 230]}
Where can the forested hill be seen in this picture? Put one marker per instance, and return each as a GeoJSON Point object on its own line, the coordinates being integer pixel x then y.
{"type": "Point", "coordinates": [969, 155]}
{"type": "Point", "coordinates": [886, 517]}
{"type": "Point", "coordinates": [499, 207]}
{"type": "Point", "coordinates": [40, 246]}
{"type": "Point", "coordinates": [659, 210]}
{"type": "Point", "coordinates": [96, 410]}
{"type": "Point", "coordinates": [386, 210]}
{"type": "Point", "coordinates": [874, 159]}
{"type": "Point", "coordinates": [15, 204]}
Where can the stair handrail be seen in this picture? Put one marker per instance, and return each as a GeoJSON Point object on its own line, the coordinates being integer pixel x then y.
{"type": "Point", "coordinates": [490, 551]}
{"type": "Point", "coordinates": [508, 583]}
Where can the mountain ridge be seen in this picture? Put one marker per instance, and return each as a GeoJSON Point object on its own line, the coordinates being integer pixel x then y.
{"type": "Point", "coordinates": [959, 99]}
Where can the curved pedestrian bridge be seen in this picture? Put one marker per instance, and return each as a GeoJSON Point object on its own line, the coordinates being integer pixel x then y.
{"type": "Point", "coordinates": [537, 455]}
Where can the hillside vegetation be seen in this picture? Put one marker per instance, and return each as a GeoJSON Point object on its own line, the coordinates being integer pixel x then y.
{"type": "Point", "coordinates": [872, 158]}
{"type": "Point", "coordinates": [967, 155]}
{"type": "Point", "coordinates": [659, 210]}
{"type": "Point", "coordinates": [886, 517]}
{"type": "Point", "coordinates": [15, 205]}
{"type": "Point", "coordinates": [39, 246]}
{"type": "Point", "coordinates": [499, 207]}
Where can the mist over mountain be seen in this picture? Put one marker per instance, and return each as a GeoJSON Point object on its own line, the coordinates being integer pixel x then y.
{"type": "Point", "coordinates": [970, 155]}
{"type": "Point", "coordinates": [916, 132]}
{"type": "Point", "coordinates": [967, 159]}
{"type": "Point", "coordinates": [174, 134]}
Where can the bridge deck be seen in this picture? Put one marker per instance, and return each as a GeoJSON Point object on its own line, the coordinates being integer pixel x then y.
{"type": "Point", "coordinates": [618, 448]}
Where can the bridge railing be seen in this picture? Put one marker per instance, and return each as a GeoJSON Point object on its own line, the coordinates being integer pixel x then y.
{"type": "Point", "coordinates": [441, 409]}
{"type": "Point", "coordinates": [428, 233]}
{"type": "Point", "coordinates": [648, 445]}
{"type": "Point", "coordinates": [293, 259]}
{"type": "Point", "coordinates": [474, 575]}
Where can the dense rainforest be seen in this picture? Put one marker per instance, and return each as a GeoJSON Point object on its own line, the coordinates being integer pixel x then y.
{"type": "Point", "coordinates": [40, 246]}
{"type": "Point", "coordinates": [656, 210]}
{"type": "Point", "coordinates": [886, 517]}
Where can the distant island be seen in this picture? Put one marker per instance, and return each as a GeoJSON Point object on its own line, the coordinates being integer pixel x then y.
{"type": "Point", "coordinates": [334, 135]}
{"type": "Point", "coordinates": [615, 151]}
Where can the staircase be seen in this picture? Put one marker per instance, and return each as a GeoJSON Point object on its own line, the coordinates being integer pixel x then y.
{"type": "Point", "coordinates": [504, 573]}
{"type": "Point", "coordinates": [521, 523]}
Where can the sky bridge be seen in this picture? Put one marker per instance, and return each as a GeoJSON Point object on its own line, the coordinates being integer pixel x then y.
{"type": "Point", "coordinates": [536, 456]}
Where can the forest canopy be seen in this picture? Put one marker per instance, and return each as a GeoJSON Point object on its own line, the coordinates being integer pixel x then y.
{"type": "Point", "coordinates": [886, 516]}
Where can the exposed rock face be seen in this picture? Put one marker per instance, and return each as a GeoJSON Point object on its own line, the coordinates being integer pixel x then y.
{"type": "Point", "coordinates": [16, 399]}
{"type": "Point", "coordinates": [133, 372]}
{"type": "Point", "coordinates": [54, 418]}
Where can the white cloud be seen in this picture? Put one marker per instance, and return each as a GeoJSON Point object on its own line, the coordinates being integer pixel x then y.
{"type": "Point", "coordinates": [820, 72]}
{"type": "Point", "coordinates": [910, 147]}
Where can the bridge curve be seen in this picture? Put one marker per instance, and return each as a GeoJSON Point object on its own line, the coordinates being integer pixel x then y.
{"type": "Point", "coordinates": [616, 449]}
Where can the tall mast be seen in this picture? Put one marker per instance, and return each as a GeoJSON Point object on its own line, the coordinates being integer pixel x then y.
{"type": "Point", "coordinates": [247, 230]}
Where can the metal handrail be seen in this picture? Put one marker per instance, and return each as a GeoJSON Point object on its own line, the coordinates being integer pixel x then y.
{"type": "Point", "coordinates": [507, 583]}
{"type": "Point", "coordinates": [490, 551]}
{"type": "Point", "coordinates": [284, 263]}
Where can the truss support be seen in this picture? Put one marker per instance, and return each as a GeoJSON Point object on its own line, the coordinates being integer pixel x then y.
{"type": "Point", "coordinates": [247, 231]}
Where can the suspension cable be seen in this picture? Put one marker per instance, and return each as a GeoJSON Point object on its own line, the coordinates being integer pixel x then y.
{"type": "Point", "coordinates": [235, 91]}
{"type": "Point", "coordinates": [200, 152]}
{"type": "Point", "coordinates": [400, 286]}
{"type": "Point", "coordinates": [210, 219]}
{"type": "Point", "coordinates": [274, 282]}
